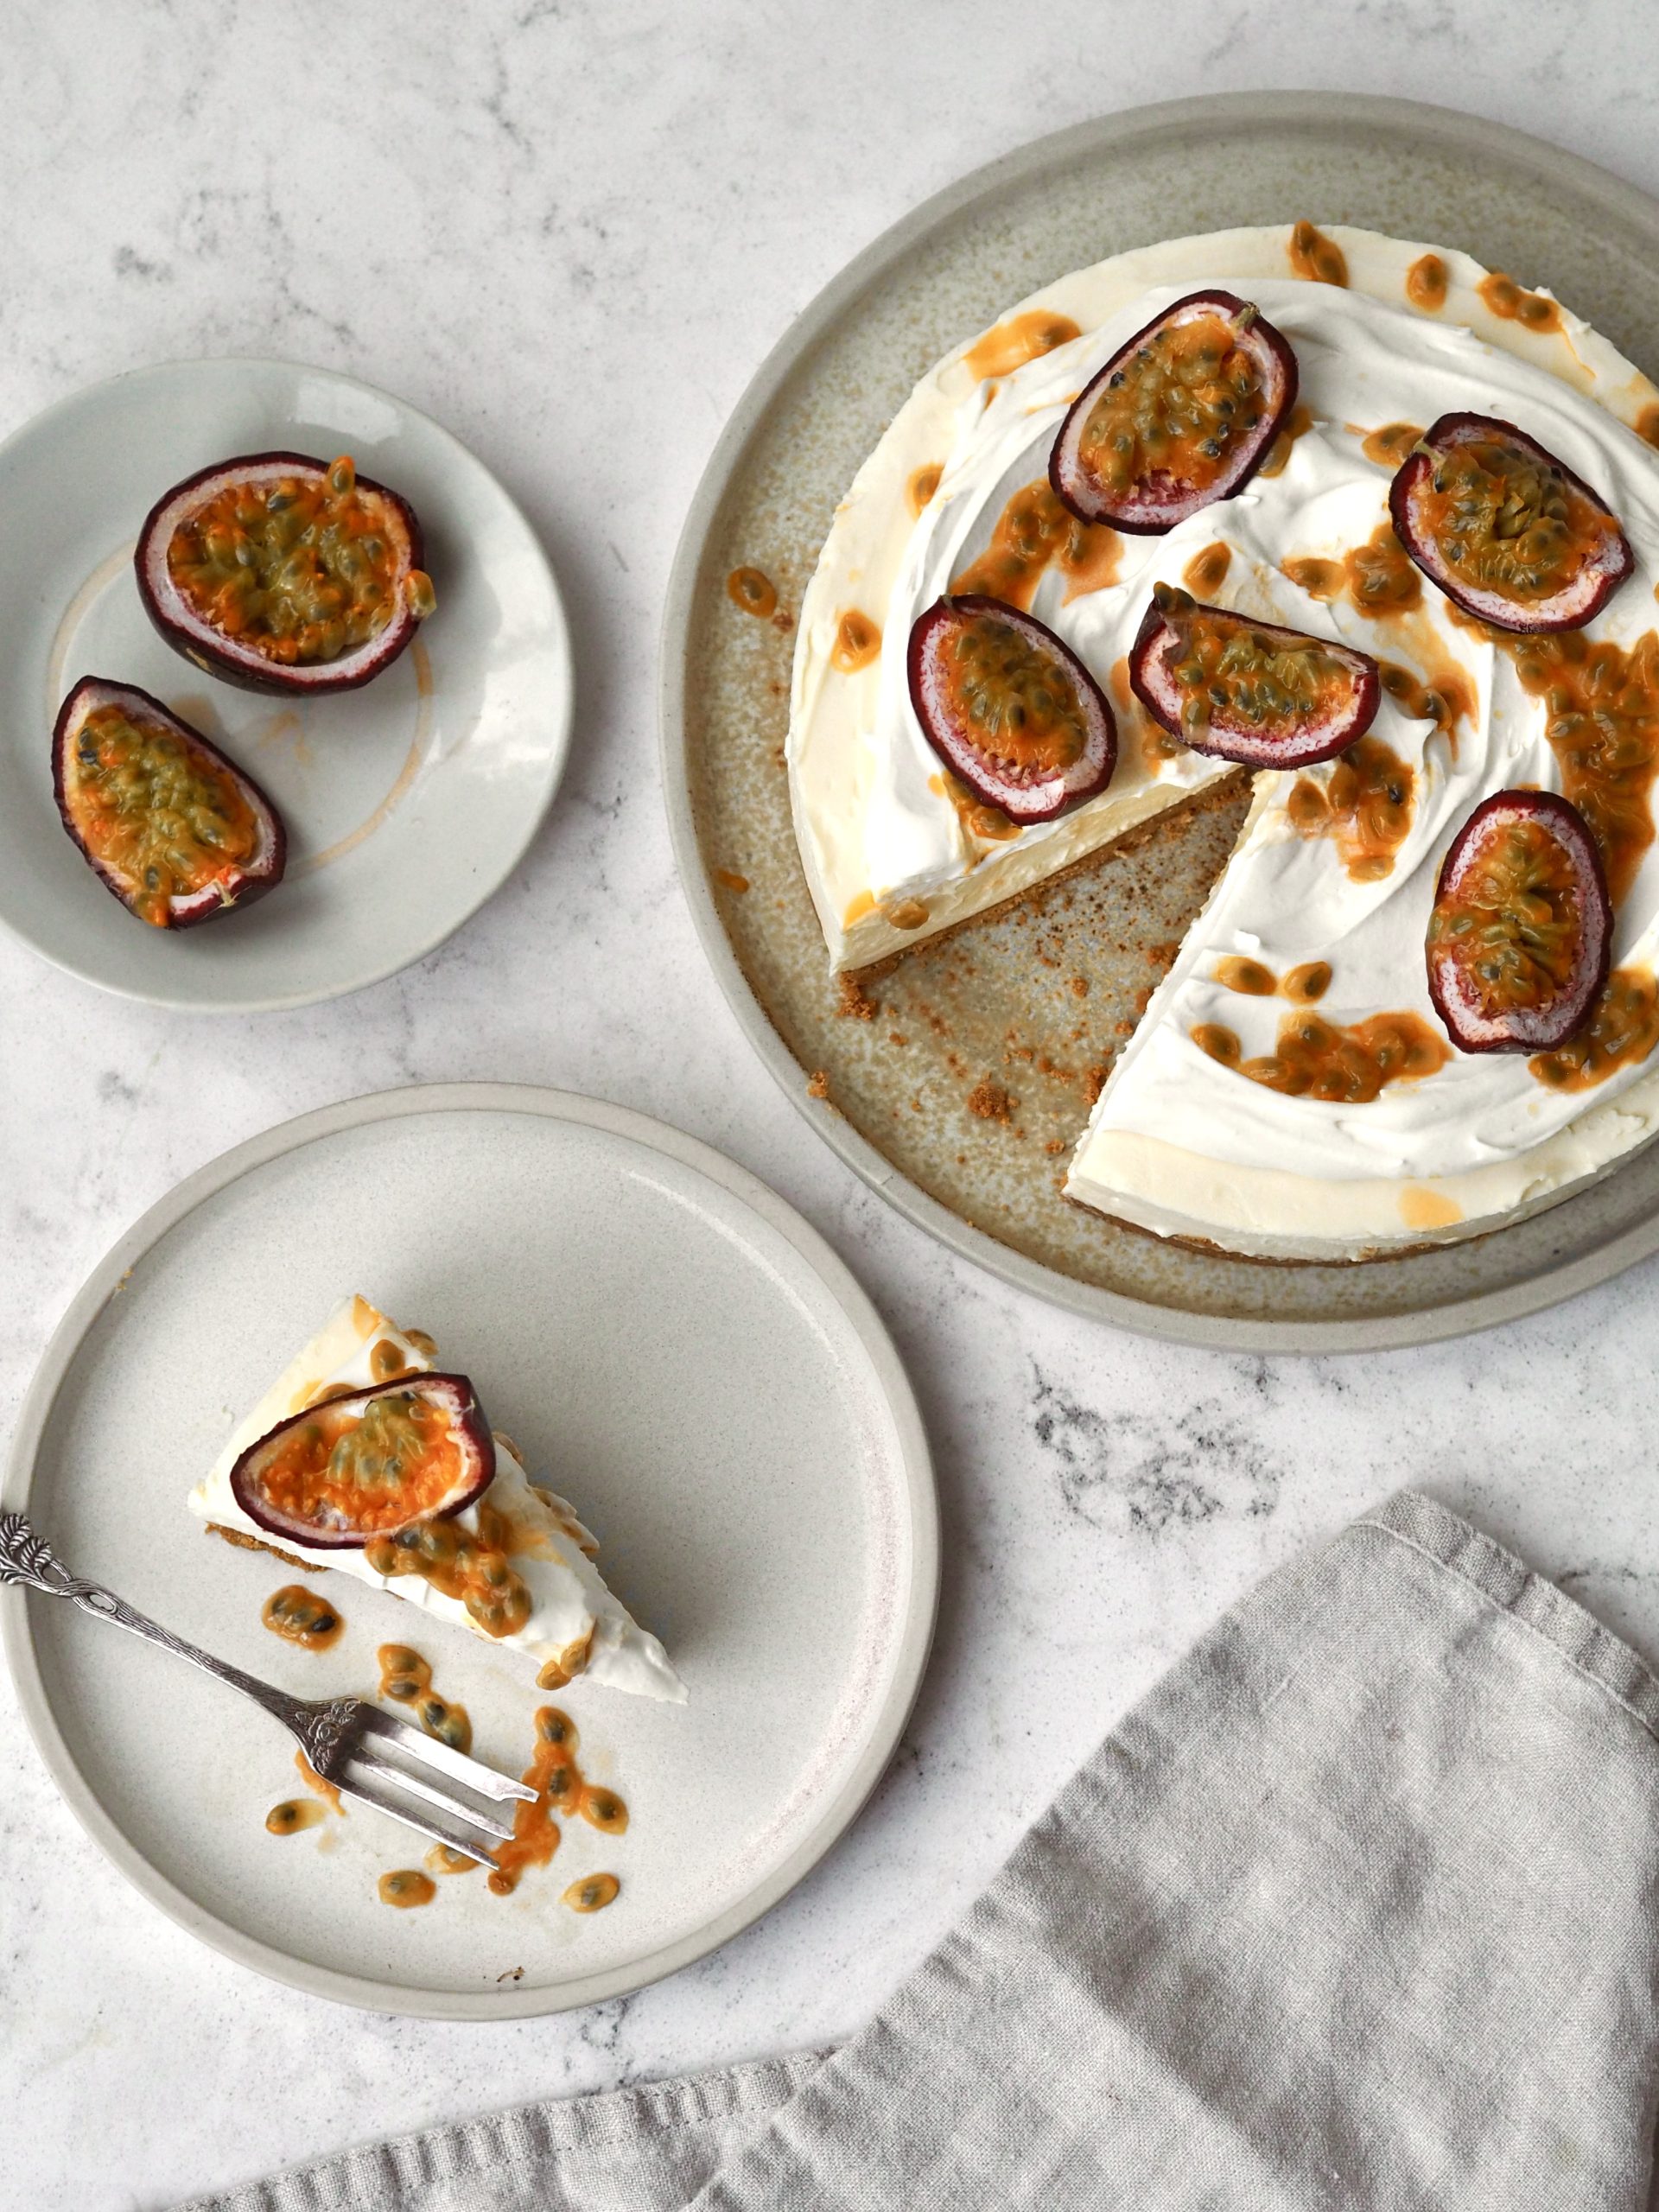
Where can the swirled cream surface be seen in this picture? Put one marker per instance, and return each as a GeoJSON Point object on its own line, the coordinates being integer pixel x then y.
{"type": "Point", "coordinates": [1181, 1141]}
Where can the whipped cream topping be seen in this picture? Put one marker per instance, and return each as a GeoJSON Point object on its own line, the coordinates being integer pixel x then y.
{"type": "Point", "coordinates": [1180, 1141]}
{"type": "Point", "coordinates": [572, 1612]}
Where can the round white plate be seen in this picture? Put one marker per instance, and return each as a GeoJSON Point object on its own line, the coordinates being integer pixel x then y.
{"type": "Point", "coordinates": [407, 803]}
{"type": "Point", "coordinates": [667, 1342]}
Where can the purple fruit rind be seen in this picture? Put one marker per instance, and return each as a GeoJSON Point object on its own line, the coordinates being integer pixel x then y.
{"type": "Point", "coordinates": [1525, 1029]}
{"type": "Point", "coordinates": [208, 648]}
{"type": "Point", "coordinates": [1041, 798]}
{"type": "Point", "coordinates": [1247, 743]}
{"type": "Point", "coordinates": [455, 1392]}
{"type": "Point", "coordinates": [1569, 609]}
{"type": "Point", "coordinates": [249, 883]}
{"type": "Point", "coordinates": [1147, 513]}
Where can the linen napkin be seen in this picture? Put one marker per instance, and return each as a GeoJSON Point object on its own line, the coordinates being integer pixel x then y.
{"type": "Point", "coordinates": [1359, 1908]}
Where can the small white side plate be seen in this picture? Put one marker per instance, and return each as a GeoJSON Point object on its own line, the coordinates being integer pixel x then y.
{"type": "Point", "coordinates": [668, 1342]}
{"type": "Point", "coordinates": [407, 803]}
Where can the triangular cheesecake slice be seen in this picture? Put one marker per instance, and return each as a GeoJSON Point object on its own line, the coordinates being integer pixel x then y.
{"type": "Point", "coordinates": [573, 1625]}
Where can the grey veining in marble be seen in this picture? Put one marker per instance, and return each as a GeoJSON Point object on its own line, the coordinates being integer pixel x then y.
{"type": "Point", "coordinates": [570, 231]}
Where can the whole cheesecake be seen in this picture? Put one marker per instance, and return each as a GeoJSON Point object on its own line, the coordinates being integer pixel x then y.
{"type": "Point", "coordinates": [1296, 1088]}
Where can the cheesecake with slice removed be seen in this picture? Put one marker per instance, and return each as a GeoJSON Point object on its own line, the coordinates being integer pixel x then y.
{"type": "Point", "coordinates": [363, 1456]}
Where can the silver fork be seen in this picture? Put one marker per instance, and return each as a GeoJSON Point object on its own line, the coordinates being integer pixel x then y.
{"type": "Point", "coordinates": [350, 1743]}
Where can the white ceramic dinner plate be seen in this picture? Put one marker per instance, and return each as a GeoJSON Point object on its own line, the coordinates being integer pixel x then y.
{"type": "Point", "coordinates": [667, 1342]}
{"type": "Point", "coordinates": [407, 803]}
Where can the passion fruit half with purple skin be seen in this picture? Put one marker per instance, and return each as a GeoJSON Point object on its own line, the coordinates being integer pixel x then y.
{"type": "Point", "coordinates": [1507, 532]}
{"type": "Point", "coordinates": [1522, 931]}
{"type": "Point", "coordinates": [368, 1463]}
{"type": "Point", "coordinates": [1009, 707]}
{"type": "Point", "coordinates": [284, 574]}
{"type": "Point", "coordinates": [1249, 691]}
{"type": "Point", "coordinates": [176, 830]}
{"type": "Point", "coordinates": [1180, 417]}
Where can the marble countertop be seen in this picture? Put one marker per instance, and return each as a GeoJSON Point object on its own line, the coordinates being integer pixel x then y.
{"type": "Point", "coordinates": [570, 232]}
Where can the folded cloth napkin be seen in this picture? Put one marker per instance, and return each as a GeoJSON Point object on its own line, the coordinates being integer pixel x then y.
{"type": "Point", "coordinates": [1358, 1909]}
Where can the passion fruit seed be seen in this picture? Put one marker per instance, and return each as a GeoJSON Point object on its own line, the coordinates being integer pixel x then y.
{"type": "Point", "coordinates": [407, 1886]}
{"type": "Point", "coordinates": [604, 1810]}
{"type": "Point", "coordinates": [422, 599]}
{"type": "Point", "coordinates": [593, 1894]}
{"type": "Point", "coordinates": [556, 1727]}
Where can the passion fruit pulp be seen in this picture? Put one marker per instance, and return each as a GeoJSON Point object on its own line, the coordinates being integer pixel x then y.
{"type": "Point", "coordinates": [1009, 707]}
{"type": "Point", "coordinates": [282, 572]}
{"type": "Point", "coordinates": [368, 1463]}
{"type": "Point", "coordinates": [1182, 415]}
{"type": "Point", "coordinates": [1521, 929]}
{"type": "Point", "coordinates": [1227, 685]}
{"type": "Point", "coordinates": [1505, 529]}
{"type": "Point", "coordinates": [178, 833]}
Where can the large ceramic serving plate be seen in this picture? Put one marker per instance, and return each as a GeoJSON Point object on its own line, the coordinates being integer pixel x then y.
{"type": "Point", "coordinates": [666, 1340]}
{"type": "Point", "coordinates": [890, 1088]}
{"type": "Point", "coordinates": [407, 803]}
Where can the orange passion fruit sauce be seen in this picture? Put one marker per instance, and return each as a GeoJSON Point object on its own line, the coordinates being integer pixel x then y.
{"type": "Point", "coordinates": [299, 1616]}
{"type": "Point", "coordinates": [406, 1679]}
{"type": "Point", "coordinates": [1378, 576]}
{"type": "Point", "coordinates": [1036, 532]}
{"type": "Point", "coordinates": [1225, 662]}
{"type": "Point", "coordinates": [561, 1790]}
{"type": "Point", "coordinates": [472, 1566]}
{"type": "Point", "coordinates": [1254, 979]}
{"type": "Point", "coordinates": [1503, 520]}
{"type": "Point", "coordinates": [301, 569]}
{"type": "Point", "coordinates": [1365, 805]}
{"type": "Point", "coordinates": [1514, 922]}
{"type": "Point", "coordinates": [1019, 705]}
{"type": "Point", "coordinates": [1623, 1028]}
{"type": "Point", "coordinates": [157, 810]}
{"type": "Point", "coordinates": [1176, 407]}
{"type": "Point", "coordinates": [1348, 1063]}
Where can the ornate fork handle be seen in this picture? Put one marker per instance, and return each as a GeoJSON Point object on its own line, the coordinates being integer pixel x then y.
{"type": "Point", "coordinates": [25, 1557]}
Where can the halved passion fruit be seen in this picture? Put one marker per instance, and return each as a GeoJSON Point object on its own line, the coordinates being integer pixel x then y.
{"type": "Point", "coordinates": [1249, 691]}
{"type": "Point", "coordinates": [1519, 939]}
{"type": "Point", "coordinates": [1009, 707]}
{"type": "Point", "coordinates": [176, 830]}
{"type": "Point", "coordinates": [284, 574]}
{"type": "Point", "coordinates": [1507, 532]}
{"type": "Point", "coordinates": [368, 1463]}
{"type": "Point", "coordinates": [1180, 417]}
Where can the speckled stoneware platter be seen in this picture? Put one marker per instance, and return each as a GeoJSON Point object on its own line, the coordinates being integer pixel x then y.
{"type": "Point", "coordinates": [887, 1081]}
{"type": "Point", "coordinates": [408, 802]}
{"type": "Point", "coordinates": [669, 1343]}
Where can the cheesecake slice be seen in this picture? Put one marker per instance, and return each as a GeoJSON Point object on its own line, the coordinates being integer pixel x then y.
{"type": "Point", "coordinates": [572, 1625]}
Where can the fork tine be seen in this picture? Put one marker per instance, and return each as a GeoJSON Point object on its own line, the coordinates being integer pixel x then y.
{"type": "Point", "coordinates": [385, 1769]}
{"type": "Point", "coordinates": [368, 1786]}
{"type": "Point", "coordinates": [483, 1779]}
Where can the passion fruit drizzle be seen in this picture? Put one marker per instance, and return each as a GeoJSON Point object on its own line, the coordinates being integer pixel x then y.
{"type": "Point", "coordinates": [1389, 446]}
{"type": "Point", "coordinates": [1036, 530]}
{"type": "Point", "coordinates": [157, 810]}
{"type": "Point", "coordinates": [560, 1791]}
{"type": "Point", "coordinates": [1315, 256]}
{"type": "Point", "coordinates": [593, 1893]}
{"type": "Point", "coordinates": [1426, 282]}
{"type": "Point", "coordinates": [1446, 700]}
{"type": "Point", "coordinates": [293, 1815]}
{"type": "Point", "coordinates": [406, 1886]}
{"type": "Point", "coordinates": [753, 591]}
{"type": "Point", "coordinates": [1176, 407]}
{"type": "Point", "coordinates": [1254, 979]}
{"type": "Point", "coordinates": [1512, 303]}
{"type": "Point", "coordinates": [1205, 573]}
{"type": "Point", "coordinates": [1623, 1028]}
{"type": "Point", "coordinates": [1365, 806]}
{"type": "Point", "coordinates": [1602, 708]}
{"type": "Point", "coordinates": [1504, 520]}
{"type": "Point", "coordinates": [1515, 922]}
{"type": "Point", "coordinates": [1299, 421]}
{"type": "Point", "coordinates": [299, 1616]}
{"type": "Point", "coordinates": [1348, 1064]}
{"type": "Point", "coordinates": [1223, 663]}
{"type": "Point", "coordinates": [1008, 346]}
{"type": "Point", "coordinates": [1378, 576]}
{"type": "Point", "coordinates": [300, 568]}
{"type": "Point", "coordinates": [406, 1679]}
{"type": "Point", "coordinates": [471, 1567]}
{"type": "Point", "coordinates": [1019, 705]}
{"type": "Point", "coordinates": [366, 1469]}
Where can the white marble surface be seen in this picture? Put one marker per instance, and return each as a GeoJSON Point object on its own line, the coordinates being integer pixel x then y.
{"type": "Point", "coordinates": [570, 231]}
